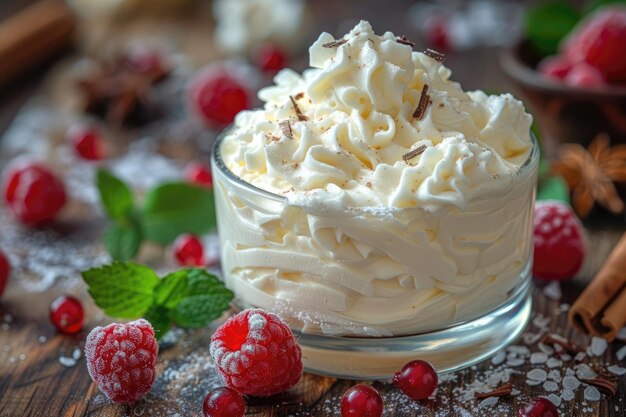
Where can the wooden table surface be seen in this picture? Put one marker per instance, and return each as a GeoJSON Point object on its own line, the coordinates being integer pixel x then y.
{"type": "Point", "coordinates": [35, 383]}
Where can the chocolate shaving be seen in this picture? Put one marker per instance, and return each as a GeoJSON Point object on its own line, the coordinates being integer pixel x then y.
{"type": "Point", "coordinates": [299, 95]}
{"type": "Point", "coordinates": [502, 391]}
{"type": "Point", "coordinates": [335, 44]}
{"type": "Point", "coordinates": [413, 153]}
{"type": "Point", "coordinates": [437, 56]}
{"type": "Point", "coordinates": [299, 113]}
{"type": "Point", "coordinates": [565, 344]}
{"type": "Point", "coordinates": [421, 106]}
{"type": "Point", "coordinates": [285, 127]}
{"type": "Point", "coordinates": [604, 384]}
{"type": "Point", "coordinates": [405, 41]}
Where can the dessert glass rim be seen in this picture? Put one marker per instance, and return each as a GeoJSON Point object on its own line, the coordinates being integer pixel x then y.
{"type": "Point", "coordinates": [524, 169]}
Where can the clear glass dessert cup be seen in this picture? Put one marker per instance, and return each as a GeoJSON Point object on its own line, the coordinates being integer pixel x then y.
{"type": "Point", "coordinates": [367, 290]}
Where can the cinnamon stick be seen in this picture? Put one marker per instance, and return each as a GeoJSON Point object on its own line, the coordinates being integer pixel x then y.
{"type": "Point", "coordinates": [32, 36]}
{"type": "Point", "coordinates": [601, 309]}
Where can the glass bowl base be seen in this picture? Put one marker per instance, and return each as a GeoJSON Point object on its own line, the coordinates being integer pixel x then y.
{"type": "Point", "coordinates": [448, 350]}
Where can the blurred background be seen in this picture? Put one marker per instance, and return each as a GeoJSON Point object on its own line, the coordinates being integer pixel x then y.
{"type": "Point", "coordinates": [161, 69]}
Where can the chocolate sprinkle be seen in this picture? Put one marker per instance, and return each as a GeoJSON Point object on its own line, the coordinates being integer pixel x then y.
{"type": "Point", "coordinates": [285, 127]}
{"type": "Point", "coordinates": [421, 107]}
{"type": "Point", "coordinates": [437, 56]}
{"type": "Point", "coordinates": [335, 44]}
{"type": "Point", "coordinates": [604, 384]}
{"type": "Point", "coordinates": [299, 113]}
{"type": "Point", "coordinates": [502, 391]}
{"type": "Point", "coordinates": [413, 153]}
{"type": "Point", "coordinates": [405, 41]}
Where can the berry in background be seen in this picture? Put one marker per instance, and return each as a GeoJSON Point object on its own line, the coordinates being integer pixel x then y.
{"type": "Point", "coordinates": [34, 194]}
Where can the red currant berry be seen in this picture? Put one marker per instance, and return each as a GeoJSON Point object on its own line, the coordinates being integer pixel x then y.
{"type": "Point", "coordinates": [198, 173]}
{"type": "Point", "coordinates": [217, 98]}
{"type": "Point", "coordinates": [34, 194]}
{"type": "Point", "coordinates": [540, 407]}
{"type": "Point", "coordinates": [417, 379]}
{"type": "Point", "coordinates": [223, 402]}
{"type": "Point", "coordinates": [188, 250]}
{"type": "Point", "coordinates": [361, 401]}
{"type": "Point", "coordinates": [271, 59]}
{"type": "Point", "coordinates": [5, 270]}
{"type": "Point", "coordinates": [86, 141]}
{"type": "Point", "coordinates": [66, 313]}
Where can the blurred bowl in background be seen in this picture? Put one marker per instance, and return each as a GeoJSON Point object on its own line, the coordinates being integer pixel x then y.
{"type": "Point", "coordinates": [565, 113]}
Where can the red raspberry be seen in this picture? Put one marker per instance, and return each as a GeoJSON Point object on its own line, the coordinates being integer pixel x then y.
{"type": "Point", "coordinates": [217, 97]}
{"type": "Point", "coordinates": [554, 67]}
{"type": "Point", "coordinates": [600, 40]}
{"type": "Point", "coordinates": [255, 353]}
{"type": "Point", "coordinates": [271, 59]}
{"type": "Point", "coordinates": [86, 141]}
{"type": "Point", "coordinates": [559, 246]}
{"type": "Point", "coordinates": [5, 270]}
{"type": "Point", "coordinates": [34, 194]}
{"type": "Point", "coordinates": [121, 359]}
{"type": "Point", "coordinates": [198, 173]}
{"type": "Point", "coordinates": [584, 75]}
{"type": "Point", "coordinates": [188, 250]}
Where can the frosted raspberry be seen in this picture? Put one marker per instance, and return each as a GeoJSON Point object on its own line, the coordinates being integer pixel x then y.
{"type": "Point", "coordinates": [555, 67]}
{"type": "Point", "coordinates": [559, 246]}
{"type": "Point", "coordinates": [584, 75]}
{"type": "Point", "coordinates": [256, 353]}
{"type": "Point", "coordinates": [600, 40]}
{"type": "Point", "coordinates": [34, 194]}
{"type": "Point", "coordinates": [121, 359]}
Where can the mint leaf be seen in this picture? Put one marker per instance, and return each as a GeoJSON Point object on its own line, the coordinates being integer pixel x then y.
{"type": "Point", "coordinates": [123, 241]}
{"type": "Point", "coordinates": [547, 24]}
{"type": "Point", "coordinates": [159, 319]}
{"type": "Point", "coordinates": [204, 300]}
{"type": "Point", "coordinates": [176, 208]}
{"type": "Point", "coordinates": [553, 188]}
{"type": "Point", "coordinates": [116, 197]}
{"type": "Point", "coordinates": [123, 290]}
{"type": "Point", "coordinates": [172, 289]}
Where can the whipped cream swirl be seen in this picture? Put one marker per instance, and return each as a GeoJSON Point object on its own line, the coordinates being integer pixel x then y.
{"type": "Point", "coordinates": [366, 242]}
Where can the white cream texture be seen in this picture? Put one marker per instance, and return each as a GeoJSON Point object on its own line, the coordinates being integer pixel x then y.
{"type": "Point", "coordinates": [242, 25]}
{"type": "Point", "coordinates": [364, 242]}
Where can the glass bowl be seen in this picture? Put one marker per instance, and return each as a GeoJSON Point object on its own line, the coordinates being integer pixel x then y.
{"type": "Point", "coordinates": [367, 290]}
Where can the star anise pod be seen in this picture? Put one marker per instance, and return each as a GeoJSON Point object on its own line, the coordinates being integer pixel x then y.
{"type": "Point", "coordinates": [118, 93]}
{"type": "Point", "coordinates": [591, 174]}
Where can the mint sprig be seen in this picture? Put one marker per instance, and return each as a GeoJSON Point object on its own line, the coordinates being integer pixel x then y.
{"type": "Point", "coordinates": [167, 211]}
{"type": "Point", "coordinates": [187, 298]}
{"type": "Point", "coordinates": [548, 23]}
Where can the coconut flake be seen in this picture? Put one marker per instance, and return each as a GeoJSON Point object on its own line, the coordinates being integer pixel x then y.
{"type": "Point", "coordinates": [538, 358]}
{"type": "Point", "coordinates": [537, 375]}
{"type": "Point", "coordinates": [616, 370]}
{"type": "Point", "coordinates": [488, 402]}
{"type": "Point", "coordinates": [553, 291]}
{"type": "Point", "coordinates": [550, 386]}
{"type": "Point", "coordinates": [570, 383]}
{"type": "Point", "coordinates": [621, 353]}
{"type": "Point", "coordinates": [592, 394]}
{"type": "Point", "coordinates": [598, 346]}
{"type": "Point", "coordinates": [568, 395]}
{"type": "Point", "coordinates": [499, 358]}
